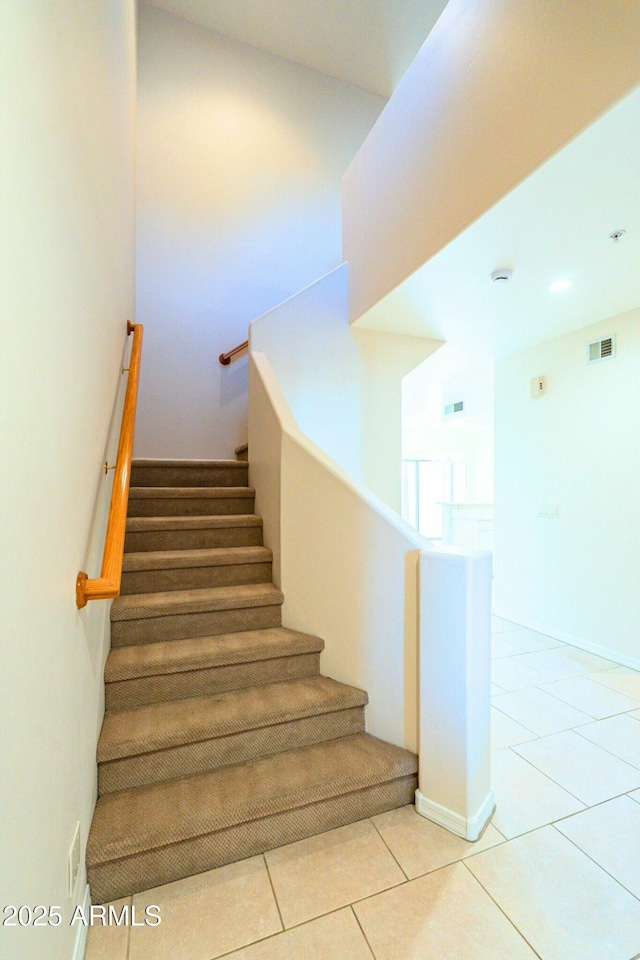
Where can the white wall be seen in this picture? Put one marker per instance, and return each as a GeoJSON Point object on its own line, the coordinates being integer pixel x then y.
{"type": "Point", "coordinates": [449, 375]}
{"type": "Point", "coordinates": [315, 358]}
{"type": "Point", "coordinates": [576, 447]}
{"type": "Point", "coordinates": [497, 88]}
{"type": "Point", "coordinates": [240, 156]}
{"type": "Point", "coordinates": [67, 289]}
{"type": "Point", "coordinates": [343, 384]}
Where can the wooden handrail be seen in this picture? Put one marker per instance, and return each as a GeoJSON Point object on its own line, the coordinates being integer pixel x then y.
{"type": "Point", "coordinates": [107, 585]}
{"type": "Point", "coordinates": [225, 358]}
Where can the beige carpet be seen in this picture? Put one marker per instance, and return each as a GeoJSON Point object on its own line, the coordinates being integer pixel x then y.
{"type": "Point", "coordinates": [221, 738]}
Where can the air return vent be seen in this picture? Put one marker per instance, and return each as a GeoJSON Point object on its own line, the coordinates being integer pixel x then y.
{"type": "Point", "coordinates": [601, 349]}
{"type": "Point", "coordinates": [456, 407]}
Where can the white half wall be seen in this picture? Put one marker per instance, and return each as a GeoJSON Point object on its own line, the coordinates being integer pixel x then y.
{"type": "Point", "coordinates": [498, 87]}
{"type": "Point", "coordinates": [347, 565]}
{"type": "Point", "coordinates": [576, 447]}
{"type": "Point", "coordinates": [240, 158]}
{"type": "Point", "coordinates": [66, 291]}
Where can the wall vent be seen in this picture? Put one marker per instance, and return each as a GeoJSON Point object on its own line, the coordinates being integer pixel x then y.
{"type": "Point", "coordinates": [601, 349]}
{"type": "Point", "coordinates": [456, 407]}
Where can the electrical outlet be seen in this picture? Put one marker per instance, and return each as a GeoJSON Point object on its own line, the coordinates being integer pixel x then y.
{"type": "Point", "coordinates": [548, 511]}
{"type": "Point", "coordinates": [74, 859]}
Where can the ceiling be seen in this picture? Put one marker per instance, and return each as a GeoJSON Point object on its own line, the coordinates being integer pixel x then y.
{"type": "Point", "coordinates": [554, 225]}
{"type": "Point", "coordinates": [369, 43]}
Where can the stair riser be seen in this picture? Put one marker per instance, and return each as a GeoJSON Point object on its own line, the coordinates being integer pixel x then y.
{"type": "Point", "coordinates": [129, 875]}
{"type": "Point", "coordinates": [140, 541]}
{"type": "Point", "coordinates": [182, 626]}
{"type": "Point", "coordinates": [222, 751]}
{"type": "Point", "coordinates": [188, 507]}
{"type": "Point", "coordinates": [125, 694]}
{"type": "Point", "coordinates": [190, 476]}
{"type": "Point", "coordinates": [184, 578]}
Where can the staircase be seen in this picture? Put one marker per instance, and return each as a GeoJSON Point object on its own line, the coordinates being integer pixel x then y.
{"type": "Point", "coordinates": [221, 739]}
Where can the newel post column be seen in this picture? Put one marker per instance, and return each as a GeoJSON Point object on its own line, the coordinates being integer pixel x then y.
{"type": "Point", "coordinates": [455, 702]}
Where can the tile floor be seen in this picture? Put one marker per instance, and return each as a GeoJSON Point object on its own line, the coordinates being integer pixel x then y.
{"type": "Point", "coordinates": [555, 876]}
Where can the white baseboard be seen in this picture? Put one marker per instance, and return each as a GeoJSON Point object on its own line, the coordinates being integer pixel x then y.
{"type": "Point", "coordinates": [469, 828]}
{"type": "Point", "coordinates": [82, 930]}
{"type": "Point", "coordinates": [587, 645]}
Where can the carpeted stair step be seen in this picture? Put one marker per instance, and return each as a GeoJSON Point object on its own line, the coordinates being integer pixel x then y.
{"type": "Point", "coordinates": [178, 614]}
{"type": "Point", "coordinates": [189, 501]}
{"type": "Point", "coordinates": [147, 836]}
{"type": "Point", "coordinates": [242, 452]}
{"type": "Point", "coordinates": [165, 741]}
{"type": "Point", "coordinates": [153, 571]}
{"type": "Point", "coordinates": [153, 672]}
{"type": "Point", "coordinates": [192, 533]}
{"type": "Point", "coordinates": [189, 473]}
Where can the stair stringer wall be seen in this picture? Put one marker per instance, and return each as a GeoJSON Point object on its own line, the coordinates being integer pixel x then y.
{"type": "Point", "coordinates": [348, 566]}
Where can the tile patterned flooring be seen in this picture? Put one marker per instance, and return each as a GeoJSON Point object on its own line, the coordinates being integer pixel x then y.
{"type": "Point", "coordinates": [555, 876]}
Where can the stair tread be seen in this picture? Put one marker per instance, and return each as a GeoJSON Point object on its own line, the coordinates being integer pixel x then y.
{"type": "Point", "coordinates": [141, 524]}
{"type": "Point", "coordinates": [187, 493]}
{"type": "Point", "coordinates": [160, 726]}
{"type": "Point", "coordinates": [174, 464]}
{"type": "Point", "coordinates": [179, 656]}
{"type": "Point", "coordinates": [207, 557]}
{"type": "Point", "coordinates": [137, 606]}
{"type": "Point", "coordinates": [145, 818]}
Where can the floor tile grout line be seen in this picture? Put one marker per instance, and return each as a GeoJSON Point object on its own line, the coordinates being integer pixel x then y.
{"type": "Point", "coordinates": [550, 779]}
{"type": "Point", "coordinates": [278, 933]}
{"type": "Point", "coordinates": [496, 829]}
{"type": "Point", "coordinates": [361, 928]}
{"type": "Point", "coordinates": [587, 676]}
{"type": "Point", "coordinates": [566, 790]}
{"type": "Point", "coordinates": [410, 880]}
{"type": "Point", "coordinates": [514, 719]}
{"type": "Point", "coordinates": [606, 750]}
{"type": "Point", "coordinates": [541, 688]}
{"type": "Point", "coordinates": [370, 896]}
{"type": "Point", "coordinates": [505, 840]}
{"type": "Point", "coordinates": [552, 823]}
{"type": "Point", "coordinates": [401, 868]}
{"type": "Point", "coordinates": [559, 649]}
{"type": "Point", "coordinates": [594, 861]}
{"type": "Point", "coordinates": [503, 912]}
{"type": "Point", "coordinates": [545, 676]}
{"type": "Point", "coordinates": [594, 806]}
{"type": "Point", "coordinates": [599, 672]}
{"type": "Point", "coordinates": [344, 906]}
{"type": "Point", "coordinates": [273, 890]}
{"type": "Point", "coordinates": [590, 670]}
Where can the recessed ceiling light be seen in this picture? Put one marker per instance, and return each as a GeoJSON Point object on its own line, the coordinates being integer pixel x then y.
{"type": "Point", "coordinates": [559, 286]}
